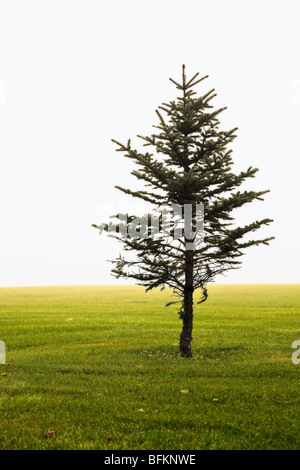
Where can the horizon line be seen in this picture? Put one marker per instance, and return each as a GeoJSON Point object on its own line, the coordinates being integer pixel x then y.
{"type": "Point", "coordinates": [137, 285]}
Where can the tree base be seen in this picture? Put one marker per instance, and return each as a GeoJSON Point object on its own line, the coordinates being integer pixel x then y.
{"type": "Point", "coordinates": [185, 347]}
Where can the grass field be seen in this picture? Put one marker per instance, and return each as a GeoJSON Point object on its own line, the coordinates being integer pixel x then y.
{"type": "Point", "coordinates": [100, 365]}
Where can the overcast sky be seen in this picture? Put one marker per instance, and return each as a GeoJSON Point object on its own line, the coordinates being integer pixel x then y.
{"type": "Point", "coordinates": [74, 74]}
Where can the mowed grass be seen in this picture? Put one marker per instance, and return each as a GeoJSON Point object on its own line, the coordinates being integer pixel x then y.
{"type": "Point", "coordinates": [101, 366]}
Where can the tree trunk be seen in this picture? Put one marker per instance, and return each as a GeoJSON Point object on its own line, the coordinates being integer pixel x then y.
{"type": "Point", "coordinates": [187, 318]}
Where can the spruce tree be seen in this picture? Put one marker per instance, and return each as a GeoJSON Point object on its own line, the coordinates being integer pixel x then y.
{"type": "Point", "coordinates": [190, 164]}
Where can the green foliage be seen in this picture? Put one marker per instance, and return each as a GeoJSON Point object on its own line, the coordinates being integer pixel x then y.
{"type": "Point", "coordinates": [190, 163]}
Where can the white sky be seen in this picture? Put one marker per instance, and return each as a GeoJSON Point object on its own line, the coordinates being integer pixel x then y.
{"type": "Point", "coordinates": [74, 74]}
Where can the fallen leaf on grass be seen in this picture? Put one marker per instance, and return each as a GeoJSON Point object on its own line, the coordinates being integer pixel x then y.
{"type": "Point", "coordinates": [49, 433]}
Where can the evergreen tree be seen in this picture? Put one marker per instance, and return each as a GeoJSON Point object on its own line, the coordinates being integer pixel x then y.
{"type": "Point", "coordinates": [191, 165]}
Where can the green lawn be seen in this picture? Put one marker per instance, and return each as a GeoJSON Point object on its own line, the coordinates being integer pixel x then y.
{"type": "Point", "coordinates": [100, 365]}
